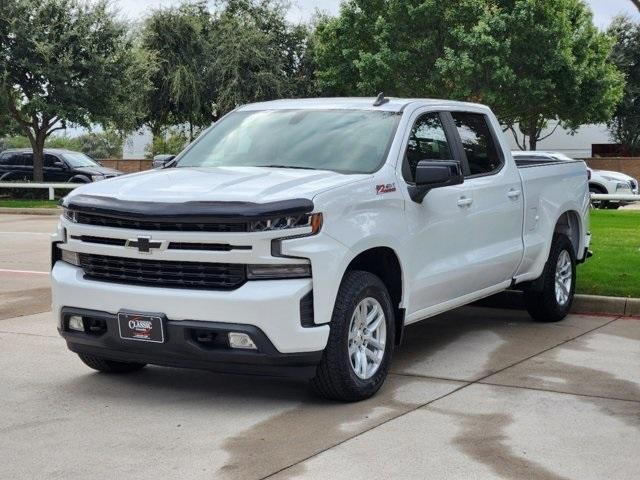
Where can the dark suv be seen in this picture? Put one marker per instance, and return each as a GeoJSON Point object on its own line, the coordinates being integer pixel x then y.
{"type": "Point", "coordinates": [59, 166]}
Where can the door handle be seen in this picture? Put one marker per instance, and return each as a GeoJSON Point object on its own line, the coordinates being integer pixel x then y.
{"type": "Point", "coordinates": [464, 201]}
{"type": "Point", "coordinates": [513, 193]}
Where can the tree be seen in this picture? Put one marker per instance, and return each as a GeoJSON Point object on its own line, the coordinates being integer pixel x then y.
{"type": "Point", "coordinates": [177, 42]}
{"type": "Point", "coordinates": [625, 124]}
{"type": "Point", "coordinates": [532, 61]}
{"type": "Point", "coordinates": [636, 3]}
{"type": "Point", "coordinates": [257, 55]}
{"type": "Point", "coordinates": [536, 62]}
{"type": "Point", "coordinates": [390, 45]}
{"type": "Point", "coordinates": [62, 62]}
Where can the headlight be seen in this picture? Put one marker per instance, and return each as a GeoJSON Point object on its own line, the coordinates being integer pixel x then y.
{"type": "Point", "coordinates": [70, 257]}
{"type": "Point", "coordinates": [272, 272]}
{"type": "Point", "coordinates": [288, 222]}
{"type": "Point", "coordinates": [95, 178]}
{"type": "Point", "coordinates": [69, 214]}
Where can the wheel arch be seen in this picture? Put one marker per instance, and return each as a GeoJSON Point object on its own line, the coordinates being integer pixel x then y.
{"type": "Point", "coordinates": [384, 262]}
{"type": "Point", "coordinates": [569, 223]}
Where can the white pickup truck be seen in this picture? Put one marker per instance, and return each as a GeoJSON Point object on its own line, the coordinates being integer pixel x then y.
{"type": "Point", "coordinates": [299, 237]}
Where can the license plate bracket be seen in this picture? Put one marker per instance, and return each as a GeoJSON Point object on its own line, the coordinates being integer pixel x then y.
{"type": "Point", "coordinates": [141, 327]}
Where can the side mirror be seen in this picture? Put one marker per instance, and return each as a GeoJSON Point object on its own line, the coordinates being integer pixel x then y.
{"type": "Point", "coordinates": [432, 174]}
{"type": "Point", "coordinates": [59, 164]}
{"type": "Point", "coordinates": [159, 161]}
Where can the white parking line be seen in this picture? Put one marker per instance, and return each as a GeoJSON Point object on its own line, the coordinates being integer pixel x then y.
{"type": "Point", "coordinates": [30, 272]}
{"type": "Point", "coordinates": [24, 233]}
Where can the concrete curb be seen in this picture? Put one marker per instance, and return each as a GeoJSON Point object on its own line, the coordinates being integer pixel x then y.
{"type": "Point", "coordinates": [592, 304]}
{"type": "Point", "coordinates": [31, 211]}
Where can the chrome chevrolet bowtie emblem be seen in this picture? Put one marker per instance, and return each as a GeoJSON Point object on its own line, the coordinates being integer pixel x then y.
{"type": "Point", "coordinates": [143, 244]}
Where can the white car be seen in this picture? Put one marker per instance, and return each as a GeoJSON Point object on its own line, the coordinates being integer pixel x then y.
{"type": "Point", "coordinates": [300, 237]}
{"type": "Point", "coordinates": [600, 181]}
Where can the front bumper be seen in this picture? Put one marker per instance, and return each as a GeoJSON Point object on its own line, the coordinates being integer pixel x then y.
{"type": "Point", "coordinates": [183, 347]}
{"type": "Point", "coordinates": [272, 306]}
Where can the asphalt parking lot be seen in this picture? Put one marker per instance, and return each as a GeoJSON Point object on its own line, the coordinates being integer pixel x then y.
{"type": "Point", "coordinates": [476, 393]}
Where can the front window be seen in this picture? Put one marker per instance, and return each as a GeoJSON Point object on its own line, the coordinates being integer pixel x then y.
{"type": "Point", "coordinates": [346, 141]}
{"type": "Point", "coordinates": [77, 159]}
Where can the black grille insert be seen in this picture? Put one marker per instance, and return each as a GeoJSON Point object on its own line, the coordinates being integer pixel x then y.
{"type": "Point", "coordinates": [168, 274]}
{"type": "Point", "coordinates": [114, 222]}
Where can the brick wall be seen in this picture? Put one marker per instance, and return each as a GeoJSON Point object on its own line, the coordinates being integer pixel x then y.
{"type": "Point", "coordinates": [127, 166]}
{"type": "Point", "coordinates": [628, 165]}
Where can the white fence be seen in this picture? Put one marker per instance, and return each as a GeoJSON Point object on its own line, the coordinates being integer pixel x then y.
{"type": "Point", "coordinates": [49, 186]}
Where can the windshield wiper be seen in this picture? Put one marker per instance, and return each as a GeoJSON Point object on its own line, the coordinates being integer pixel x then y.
{"type": "Point", "coordinates": [287, 166]}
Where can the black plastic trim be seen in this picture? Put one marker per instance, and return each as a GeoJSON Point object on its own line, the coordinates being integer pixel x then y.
{"type": "Point", "coordinates": [187, 212]}
{"type": "Point", "coordinates": [181, 350]}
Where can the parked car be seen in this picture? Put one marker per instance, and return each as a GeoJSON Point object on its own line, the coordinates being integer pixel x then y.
{"type": "Point", "coordinates": [59, 166]}
{"type": "Point", "coordinates": [600, 181]}
{"type": "Point", "coordinates": [299, 237]}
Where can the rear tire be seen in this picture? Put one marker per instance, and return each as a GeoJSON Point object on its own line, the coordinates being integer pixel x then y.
{"type": "Point", "coordinates": [109, 366]}
{"type": "Point", "coordinates": [553, 302]}
{"type": "Point", "coordinates": [355, 363]}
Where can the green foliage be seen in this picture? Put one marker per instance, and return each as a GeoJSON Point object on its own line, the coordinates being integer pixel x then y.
{"type": "Point", "coordinates": [530, 60]}
{"type": "Point", "coordinates": [534, 61]}
{"type": "Point", "coordinates": [63, 61]}
{"type": "Point", "coordinates": [205, 64]}
{"type": "Point", "coordinates": [177, 44]}
{"type": "Point", "coordinates": [625, 124]}
{"type": "Point", "coordinates": [171, 141]}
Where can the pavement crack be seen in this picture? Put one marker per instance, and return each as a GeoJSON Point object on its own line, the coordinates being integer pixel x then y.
{"type": "Point", "coordinates": [560, 392]}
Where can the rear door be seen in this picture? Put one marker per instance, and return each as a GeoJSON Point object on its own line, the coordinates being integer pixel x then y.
{"type": "Point", "coordinates": [494, 214]}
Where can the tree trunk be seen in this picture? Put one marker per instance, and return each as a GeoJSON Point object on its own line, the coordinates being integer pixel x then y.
{"type": "Point", "coordinates": [636, 3]}
{"type": "Point", "coordinates": [37, 144]}
{"type": "Point", "coordinates": [533, 133]}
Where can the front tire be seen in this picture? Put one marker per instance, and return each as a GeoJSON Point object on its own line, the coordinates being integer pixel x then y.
{"type": "Point", "coordinates": [553, 302]}
{"type": "Point", "coordinates": [109, 366]}
{"type": "Point", "coordinates": [356, 360]}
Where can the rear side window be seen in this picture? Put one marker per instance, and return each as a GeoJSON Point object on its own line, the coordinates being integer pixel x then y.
{"type": "Point", "coordinates": [427, 141]}
{"type": "Point", "coordinates": [26, 160]}
{"type": "Point", "coordinates": [478, 142]}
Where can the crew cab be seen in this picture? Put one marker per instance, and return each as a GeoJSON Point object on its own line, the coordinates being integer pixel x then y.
{"type": "Point", "coordinates": [59, 166]}
{"type": "Point", "coordinates": [300, 237]}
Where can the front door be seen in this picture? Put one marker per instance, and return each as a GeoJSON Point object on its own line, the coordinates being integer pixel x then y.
{"type": "Point", "coordinates": [438, 230]}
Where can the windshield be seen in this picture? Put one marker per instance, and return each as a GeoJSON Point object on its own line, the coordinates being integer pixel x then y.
{"type": "Point", "coordinates": [345, 141]}
{"type": "Point", "coordinates": [77, 159]}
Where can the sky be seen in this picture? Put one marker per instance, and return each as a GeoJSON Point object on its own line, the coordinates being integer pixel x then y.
{"type": "Point", "coordinates": [302, 10]}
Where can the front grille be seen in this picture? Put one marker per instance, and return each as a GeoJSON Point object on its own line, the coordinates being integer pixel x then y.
{"type": "Point", "coordinates": [113, 222]}
{"type": "Point", "coordinates": [168, 274]}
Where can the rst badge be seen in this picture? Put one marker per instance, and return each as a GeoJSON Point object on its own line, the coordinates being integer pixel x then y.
{"type": "Point", "coordinates": [385, 188]}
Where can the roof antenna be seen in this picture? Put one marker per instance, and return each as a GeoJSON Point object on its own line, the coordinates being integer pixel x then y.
{"type": "Point", "coordinates": [380, 100]}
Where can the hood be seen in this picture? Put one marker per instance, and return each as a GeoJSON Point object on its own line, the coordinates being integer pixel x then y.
{"type": "Point", "coordinates": [615, 175]}
{"type": "Point", "coordinates": [220, 184]}
{"type": "Point", "coordinates": [98, 170]}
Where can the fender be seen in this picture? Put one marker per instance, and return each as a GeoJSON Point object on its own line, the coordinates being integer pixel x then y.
{"type": "Point", "coordinates": [79, 179]}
